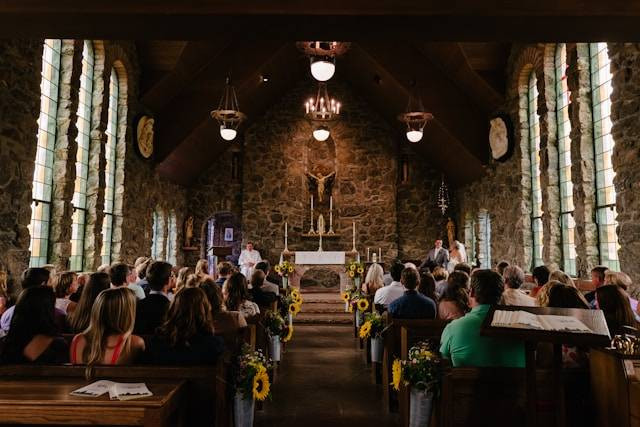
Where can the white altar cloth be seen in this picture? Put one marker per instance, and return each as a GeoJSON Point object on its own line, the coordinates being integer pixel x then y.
{"type": "Point", "coordinates": [319, 258]}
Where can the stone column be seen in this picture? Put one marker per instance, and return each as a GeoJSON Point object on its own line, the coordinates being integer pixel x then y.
{"type": "Point", "coordinates": [64, 165]}
{"type": "Point", "coordinates": [625, 114]}
{"type": "Point", "coordinates": [20, 68]}
{"type": "Point", "coordinates": [582, 157]}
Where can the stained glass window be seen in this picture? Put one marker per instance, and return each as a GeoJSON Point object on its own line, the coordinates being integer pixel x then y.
{"type": "Point", "coordinates": [470, 238]}
{"type": "Point", "coordinates": [567, 224]}
{"type": "Point", "coordinates": [43, 171]}
{"type": "Point", "coordinates": [158, 234]}
{"type": "Point", "coordinates": [534, 152]}
{"type": "Point", "coordinates": [603, 149]}
{"type": "Point", "coordinates": [110, 170]}
{"type": "Point", "coordinates": [83, 140]}
{"type": "Point", "coordinates": [172, 237]}
{"type": "Point", "coordinates": [484, 255]}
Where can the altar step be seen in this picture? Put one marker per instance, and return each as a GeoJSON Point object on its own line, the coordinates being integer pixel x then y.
{"type": "Point", "coordinates": [323, 309]}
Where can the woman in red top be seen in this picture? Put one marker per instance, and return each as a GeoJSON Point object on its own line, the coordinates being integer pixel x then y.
{"type": "Point", "coordinates": [108, 340]}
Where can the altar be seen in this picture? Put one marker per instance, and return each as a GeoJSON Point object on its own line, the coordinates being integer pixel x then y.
{"type": "Point", "coordinates": [333, 261]}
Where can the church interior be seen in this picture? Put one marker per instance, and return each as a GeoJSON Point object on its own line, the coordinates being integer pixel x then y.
{"type": "Point", "coordinates": [292, 213]}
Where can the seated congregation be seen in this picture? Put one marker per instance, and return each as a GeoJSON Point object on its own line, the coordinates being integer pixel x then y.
{"type": "Point", "coordinates": [147, 313]}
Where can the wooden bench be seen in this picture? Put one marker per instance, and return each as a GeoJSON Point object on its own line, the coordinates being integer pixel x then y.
{"type": "Point", "coordinates": [207, 399]}
{"type": "Point", "coordinates": [429, 329]}
{"type": "Point", "coordinates": [48, 401]}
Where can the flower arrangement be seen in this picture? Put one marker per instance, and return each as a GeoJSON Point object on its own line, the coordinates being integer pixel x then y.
{"type": "Point", "coordinates": [276, 326]}
{"type": "Point", "coordinates": [284, 268]}
{"type": "Point", "coordinates": [362, 304]}
{"type": "Point", "coordinates": [421, 371]}
{"type": "Point", "coordinates": [373, 326]}
{"type": "Point", "coordinates": [354, 269]}
{"type": "Point", "coordinates": [292, 302]}
{"type": "Point", "coordinates": [251, 378]}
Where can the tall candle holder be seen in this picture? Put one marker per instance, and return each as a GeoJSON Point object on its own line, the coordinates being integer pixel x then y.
{"type": "Point", "coordinates": [330, 232]}
{"type": "Point", "coordinates": [311, 230]}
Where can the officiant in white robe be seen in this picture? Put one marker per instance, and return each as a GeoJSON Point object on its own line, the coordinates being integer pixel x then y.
{"type": "Point", "coordinates": [249, 257]}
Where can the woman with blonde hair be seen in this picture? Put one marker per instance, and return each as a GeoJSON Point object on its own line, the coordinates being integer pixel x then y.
{"type": "Point", "coordinates": [624, 282]}
{"type": "Point", "coordinates": [181, 281]}
{"type": "Point", "coordinates": [202, 269]}
{"type": "Point", "coordinates": [374, 279]}
{"type": "Point", "coordinates": [109, 340]}
{"type": "Point", "coordinates": [64, 285]}
{"type": "Point", "coordinates": [558, 276]}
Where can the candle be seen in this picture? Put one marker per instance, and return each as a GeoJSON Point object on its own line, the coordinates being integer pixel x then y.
{"type": "Point", "coordinates": [380, 254]}
{"type": "Point", "coordinates": [368, 256]}
{"type": "Point", "coordinates": [312, 202]}
{"type": "Point", "coordinates": [281, 257]}
{"type": "Point", "coordinates": [286, 227]}
{"type": "Point", "coordinates": [358, 257]}
{"type": "Point", "coordinates": [354, 234]}
{"type": "Point", "coordinates": [330, 203]}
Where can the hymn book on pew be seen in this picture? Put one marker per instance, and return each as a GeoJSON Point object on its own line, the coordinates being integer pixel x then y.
{"type": "Point", "coordinates": [117, 391]}
{"type": "Point", "coordinates": [546, 322]}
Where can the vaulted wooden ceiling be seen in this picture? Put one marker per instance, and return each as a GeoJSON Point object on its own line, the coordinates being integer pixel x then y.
{"type": "Point", "coordinates": [183, 82]}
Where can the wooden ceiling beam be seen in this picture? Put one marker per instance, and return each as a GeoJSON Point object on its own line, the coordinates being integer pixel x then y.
{"type": "Point", "coordinates": [388, 95]}
{"type": "Point", "coordinates": [452, 61]}
{"type": "Point", "coordinates": [462, 20]}
{"type": "Point", "coordinates": [193, 154]}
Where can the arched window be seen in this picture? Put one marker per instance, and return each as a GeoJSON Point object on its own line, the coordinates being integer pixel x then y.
{"type": "Point", "coordinates": [110, 170]}
{"type": "Point", "coordinates": [43, 172]}
{"type": "Point", "coordinates": [159, 229]}
{"type": "Point", "coordinates": [83, 123]}
{"type": "Point", "coordinates": [484, 239]}
{"type": "Point", "coordinates": [534, 153]}
{"type": "Point", "coordinates": [603, 150]}
{"type": "Point", "coordinates": [172, 238]}
{"type": "Point", "coordinates": [567, 224]}
{"type": "Point", "coordinates": [470, 238]}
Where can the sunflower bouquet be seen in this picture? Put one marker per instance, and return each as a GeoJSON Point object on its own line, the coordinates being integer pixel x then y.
{"type": "Point", "coordinates": [372, 327]}
{"type": "Point", "coordinates": [355, 269]}
{"type": "Point", "coordinates": [252, 379]}
{"type": "Point", "coordinates": [285, 268]}
{"type": "Point", "coordinates": [276, 326]}
{"type": "Point", "coordinates": [292, 303]}
{"type": "Point", "coordinates": [422, 370]}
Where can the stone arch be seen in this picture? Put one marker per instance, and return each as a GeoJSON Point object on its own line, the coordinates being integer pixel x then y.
{"type": "Point", "coordinates": [530, 60]}
{"type": "Point", "coordinates": [220, 220]}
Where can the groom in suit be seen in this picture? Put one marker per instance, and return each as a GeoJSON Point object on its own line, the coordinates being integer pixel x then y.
{"type": "Point", "coordinates": [437, 257]}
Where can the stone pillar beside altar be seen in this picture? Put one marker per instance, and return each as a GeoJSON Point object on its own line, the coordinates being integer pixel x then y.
{"type": "Point", "coordinates": [329, 260]}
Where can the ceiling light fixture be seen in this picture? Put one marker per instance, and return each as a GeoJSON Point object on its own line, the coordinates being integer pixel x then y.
{"type": "Point", "coordinates": [322, 56]}
{"type": "Point", "coordinates": [321, 110]}
{"type": "Point", "coordinates": [228, 113]}
{"type": "Point", "coordinates": [415, 118]}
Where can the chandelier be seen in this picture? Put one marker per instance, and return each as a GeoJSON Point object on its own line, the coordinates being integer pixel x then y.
{"type": "Point", "coordinates": [415, 118]}
{"type": "Point", "coordinates": [228, 113]}
{"type": "Point", "coordinates": [322, 56]}
{"type": "Point", "coordinates": [443, 197]}
{"type": "Point", "coordinates": [321, 110]}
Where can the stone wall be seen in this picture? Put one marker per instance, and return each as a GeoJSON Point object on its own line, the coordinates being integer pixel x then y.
{"type": "Point", "coordinates": [139, 190]}
{"type": "Point", "coordinates": [278, 149]}
{"type": "Point", "coordinates": [505, 191]}
{"type": "Point", "coordinates": [19, 109]}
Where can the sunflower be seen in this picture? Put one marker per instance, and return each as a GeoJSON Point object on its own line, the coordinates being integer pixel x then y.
{"type": "Point", "coordinates": [289, 334]}
{"type": "Point", "coordinates": [295, 292]}
{"type": "Point", "coordinates": [277, 268]}
{"type": "Point", "coordinates": [345, 297]}
{"type": "Point", "coordinates": [363, 304]}
{"type": "Point", "coordinates": [360, 270]}
{"type": "Point", "coordinates": [294, 309]}
{"type": "Point", "coordinates": [396, 370]}
{"type": "Point", "coordinates": [365, 330]}
{"type": "Point", "coordinates": [261, 385]}
{"type": "Point", "coordinates": [352, 267]}
{"type": "Point", "coordinates": [290, 269]}
{"type": "Point", "coordinates": [351, 274]}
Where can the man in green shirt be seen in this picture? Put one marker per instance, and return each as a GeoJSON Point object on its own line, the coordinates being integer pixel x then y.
{"type": "Point", "coordinates": [461, 340]}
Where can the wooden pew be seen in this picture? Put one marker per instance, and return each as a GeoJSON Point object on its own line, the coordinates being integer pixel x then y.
{"type": "Point", "coordinates": [206, 401]}
{"type": "Point", "coordinates": [431, 328]}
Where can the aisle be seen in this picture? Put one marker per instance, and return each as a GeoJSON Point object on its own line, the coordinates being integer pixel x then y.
{"type": "Point", "coordinates": [324, 382]}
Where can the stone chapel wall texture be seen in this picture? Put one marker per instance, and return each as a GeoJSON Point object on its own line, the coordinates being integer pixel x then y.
{"type": "Point", "coordinates": [139, 188]}
{"type": "Point", "coordinates": [363, 151]}
{"type": "Point", "coordinates": [505, 191]}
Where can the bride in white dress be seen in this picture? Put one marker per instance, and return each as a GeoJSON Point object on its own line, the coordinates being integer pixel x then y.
{"type": "Point", "coordinates": [457, 254]}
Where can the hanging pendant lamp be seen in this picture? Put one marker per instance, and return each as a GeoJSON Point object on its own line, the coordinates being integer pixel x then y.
{"type": "Point", "coordinates": [228, 113]}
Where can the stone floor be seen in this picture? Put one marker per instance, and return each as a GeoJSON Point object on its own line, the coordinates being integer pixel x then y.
{"type": "Point", "coordinates": [323, 381]}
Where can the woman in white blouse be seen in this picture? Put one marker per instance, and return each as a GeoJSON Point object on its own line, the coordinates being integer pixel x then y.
{"type": "Point", "coordinates": [236, 296]}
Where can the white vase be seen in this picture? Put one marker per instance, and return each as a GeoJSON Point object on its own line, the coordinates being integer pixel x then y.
{"type": "Point", "coordinates": [346, 307]}
{"type": "Point", "coordinates": [243, 410]}
{"type": "Point", "coordinates": [376, 349]}
{"type": "Point", "coordinates": [358, 319]}
{"type": "Point", "coordinates": [356, 281]}
{"type": "Point", "coordinates": [285, 282]}
{"type": "Point", "coordinates": [290, 319]}
{"type": "Point", "coordinates": [420, 406]}
{"type": "Point", "coordinates": [274, 348]}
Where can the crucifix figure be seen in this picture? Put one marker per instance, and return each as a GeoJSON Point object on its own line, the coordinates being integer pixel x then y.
{"type": "Point", "coordinates": [321, 182]}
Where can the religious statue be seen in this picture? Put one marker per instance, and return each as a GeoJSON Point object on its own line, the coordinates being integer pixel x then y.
{"type": "Point", "coordinates": [451, 232]}
{"type": "Point", "coordinates": [322, 182]}
{"type": "Point", "coordinates": [188, 232]}
{"type": "Point", "coordinates": [145, 135]}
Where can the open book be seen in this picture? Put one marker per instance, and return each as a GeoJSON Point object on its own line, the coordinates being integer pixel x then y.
{"type": "Point", "coordinates": [117, 391]}
{"type": "Point", "coordinates": [547, 322]}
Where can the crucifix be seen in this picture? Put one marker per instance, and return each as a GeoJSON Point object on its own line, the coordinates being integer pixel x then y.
{"type": "Point", "coordinates": [322, 182]}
